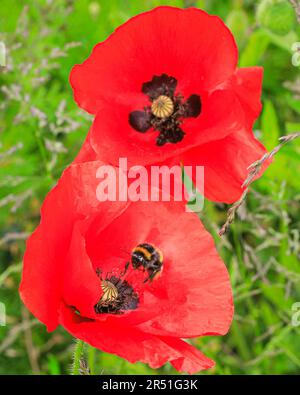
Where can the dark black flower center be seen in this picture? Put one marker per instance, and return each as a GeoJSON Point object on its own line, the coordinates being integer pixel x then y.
{"type": "Point", "coordinates": [167, 110]}
{"type": "Point", "coordinates": [118, 296]}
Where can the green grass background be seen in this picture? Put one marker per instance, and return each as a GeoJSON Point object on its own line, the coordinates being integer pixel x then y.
{"type": "Point", "coordinates": [41, 130]}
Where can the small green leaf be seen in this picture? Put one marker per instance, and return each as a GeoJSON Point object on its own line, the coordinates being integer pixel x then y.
{"type": "Point", "coordinates": [53, 365]}
{"type": "Point", "coordinates": [270, 126]}
{"type": "Point", "coordinates": [256, 47]}
{"type": "Point", "coordinates": [292, 127]}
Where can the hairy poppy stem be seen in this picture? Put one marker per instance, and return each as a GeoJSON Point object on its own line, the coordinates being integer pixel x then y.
{"type": "Point", "coordinates": [254, 170]}
{"type": "Point", "coordinates": [91, 359]}
{"type": "Point", "coordinates": [78, 350]}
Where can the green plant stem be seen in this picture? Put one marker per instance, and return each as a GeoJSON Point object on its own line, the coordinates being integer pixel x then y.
{"type": "Point", "coordinates": [91, 359]}
{"type": "Point", "coordinates": [78, 350]}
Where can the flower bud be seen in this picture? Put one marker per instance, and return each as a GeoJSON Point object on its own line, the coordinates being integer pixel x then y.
{"type": "Point", "coordinates": [278, 16]}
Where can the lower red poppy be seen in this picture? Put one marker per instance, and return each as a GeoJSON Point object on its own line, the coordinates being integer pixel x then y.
{"type": "Point", "coordinates": [131, 279]}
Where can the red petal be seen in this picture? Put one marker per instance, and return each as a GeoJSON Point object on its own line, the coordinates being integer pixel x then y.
{"type": "Point", "coordinates": [41, 283]}
{"type": "Point", "coordinates": [225, 164]}
{"type": "Point", "coordinates": [46, 250]}
{"type": "Point", "coordinates": [86, 152]}
{"type": "Point", "coordinates": [247, 84]}
{"type": "Point", "coordinates": [135, 345]}
{"type": "Point", "coordinates": [82, 288]}
{"type": "Point", "coordinates": [190, 45]}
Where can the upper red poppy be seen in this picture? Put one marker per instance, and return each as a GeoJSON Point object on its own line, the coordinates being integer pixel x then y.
{"type": "Point", "coordinates": [165, 87]}
{"type": "Point", "coordinates": [76, 274]}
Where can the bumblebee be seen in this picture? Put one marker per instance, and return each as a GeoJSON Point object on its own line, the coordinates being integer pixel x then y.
{"type": "Point", "coordinates": [148, 257]}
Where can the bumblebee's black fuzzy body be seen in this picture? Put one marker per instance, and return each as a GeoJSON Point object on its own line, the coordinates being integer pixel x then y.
{"type": "Point", "coordinates": [148, 257]}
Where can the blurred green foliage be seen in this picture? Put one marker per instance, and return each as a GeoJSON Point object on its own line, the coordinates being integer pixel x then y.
{"type": "Point", "coordinates": [41, 130]}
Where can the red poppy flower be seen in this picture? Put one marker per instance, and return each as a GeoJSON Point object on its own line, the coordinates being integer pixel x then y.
{"type": "Point", "coordinates": [131, 279]}
{"type": "Point", "coordinates": [165, 87]}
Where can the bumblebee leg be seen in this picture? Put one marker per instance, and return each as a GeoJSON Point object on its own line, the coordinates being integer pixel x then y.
{"type": "Point", "coordinates": [150, 277]}
{"type": "Point", "coordinates": [125, 269]}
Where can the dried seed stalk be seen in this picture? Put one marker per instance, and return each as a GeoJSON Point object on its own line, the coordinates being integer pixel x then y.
{"type": "Point", "coordinates": [254, 170]}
